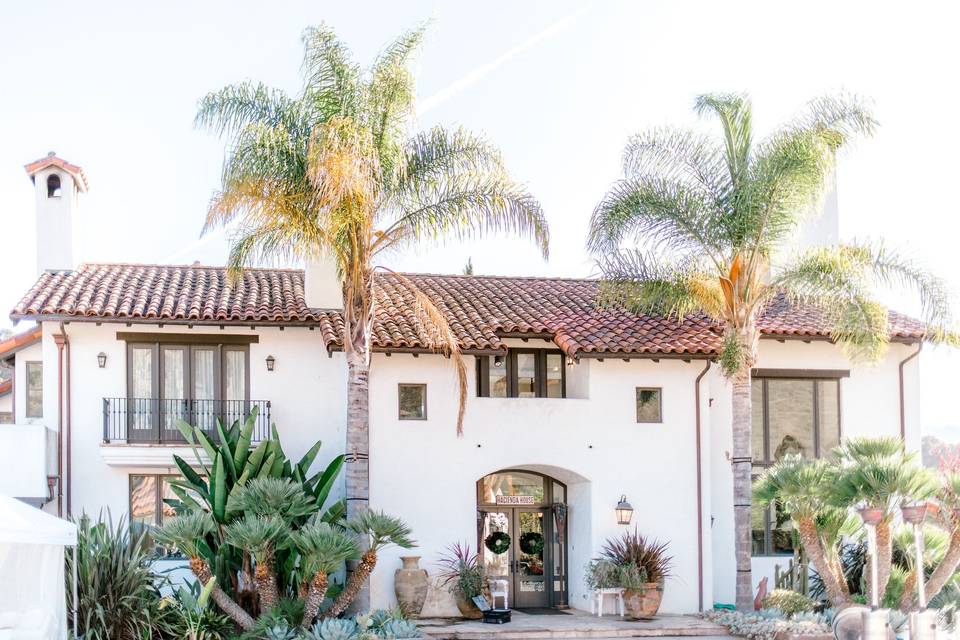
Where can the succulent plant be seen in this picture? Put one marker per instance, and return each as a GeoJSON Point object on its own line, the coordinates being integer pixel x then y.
{"type": "Point", "coordinates": [334, 629]}
{"type": "Point", "coordinates": [280, 631]}
{"type": "Point", "coordinates": [398, 630]}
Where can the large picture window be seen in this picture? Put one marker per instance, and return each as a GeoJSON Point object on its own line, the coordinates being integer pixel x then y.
{"type": "Point", "coordinates": [791, 415]}
{"type": "Point", "coordinates": [522, 373]}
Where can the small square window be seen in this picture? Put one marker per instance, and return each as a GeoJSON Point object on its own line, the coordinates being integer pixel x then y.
{"type": "Point", "coordinates": [413, 401]}
{"type": "Point", "coordinates": [649, 405]}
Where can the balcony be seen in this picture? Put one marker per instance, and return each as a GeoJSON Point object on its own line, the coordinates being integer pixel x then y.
{"type": "Point", "coordinates": [152, 421]}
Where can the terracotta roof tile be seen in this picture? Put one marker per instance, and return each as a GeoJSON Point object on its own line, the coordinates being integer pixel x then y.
{"type": "Point", "coordinates": [51, 160]}
{"type": "Point", "coordinates": [480, 309]}
{"type": "Point", "coordinates": [20, 340]}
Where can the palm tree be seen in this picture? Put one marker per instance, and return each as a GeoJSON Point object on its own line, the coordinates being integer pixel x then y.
{"type": "Point", "coordinates": [323, 550]}
{"type": "Point", "coordinates": [337, 173]}
{"type": "Point", "coordinates": [947, 517]}
{"type": "Point", "coordinates": [188, 533]}
{"type": "Point", "coordinates": [260, 535]}
{"type": "Point", "coordinates": [710, 215]}
{"type": "Point", "coordinates": [878, 474]}
{"type": "Point", "coordinates": [800, 486]}
{"type": "Point", "coordinates": [381, 531]}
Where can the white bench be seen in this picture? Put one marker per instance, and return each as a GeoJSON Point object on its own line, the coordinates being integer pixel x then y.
{"type": "Point", "coordinates": [596, 602]}
{"type": "Point", "coordinates": [499, 589]}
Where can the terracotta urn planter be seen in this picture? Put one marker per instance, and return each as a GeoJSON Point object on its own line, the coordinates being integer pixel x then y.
{"type": "Point", "coordinates": [871, 515]}
{"type": "Point", "coordinates": [410, 584]}
{"type": "Point", "coordinates": [643, 604]}
{"type": "Point", "coordinates": [467, 608]}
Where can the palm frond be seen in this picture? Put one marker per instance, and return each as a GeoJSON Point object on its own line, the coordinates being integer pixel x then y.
{"type": "Point", "coordinates": [186, 532]}
{"type": "Point", "coordinates": [798, 484]}
{"type": "Point", "coordinates": [267, 496]}
{"type": "Point", "coordinates": [736, 116]}
{"type": "Point", "coordinates": [332, 78]}
{"type": "Point", "coordinates": [256, 534]}
{"type": "Point", "coordinates": [324, 547]}
{"type": "Point", "coordinates": [666, 214]}
{"type": "Point", "coordinates": [382, 529]}
{"type": "Point", "coordinates": [237, 106]}
{"type": "Point", "coordinates": [652, 284]}
{"type": "Point", "coordinates": [463, 205]}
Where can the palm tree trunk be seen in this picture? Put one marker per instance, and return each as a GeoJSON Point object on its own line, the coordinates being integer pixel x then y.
{"type": "Point", "coordinates": [354, 585]}
{"type": "Point", "coordinates": [834, 583]}
{"type": "Point", "coordinates": [944, 571]}
{"type": "Point", "coordinates": [317, 592]}
{"type": "Point", "coordinates": [225, 602]}
{"type": "Point", "coordinates": [266, 583]}
{"type": "Point", "coordinates": [884, 558]}
{"type": "Point", "coordinates": [358, 468]}
{"type": "Point", "coordinates": [742, 488]}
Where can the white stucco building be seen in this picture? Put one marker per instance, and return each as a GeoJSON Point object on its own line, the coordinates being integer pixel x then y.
{"type": "Point", "coordinates": [569, 408]}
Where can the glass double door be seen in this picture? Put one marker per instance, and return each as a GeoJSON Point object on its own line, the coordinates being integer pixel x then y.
{"type": "Point", "coordinates": [513, 547]}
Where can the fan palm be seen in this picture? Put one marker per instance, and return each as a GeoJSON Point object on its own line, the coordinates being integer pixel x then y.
{"type": "Point", "coordinates": [272, 497]}
{"type": "Point", "coordinates": [947, 517]}
{"type": "Point", "coordinates": [337, 173]}
{"type": "Point", "coordinates": [799, 486]}
{"type": "Point", "coordinates": [323, 549]}
{"type": "Point", "coordinates": [188, 533]}
{"type": "Point", "coordinates": [260, 535]}
{"type": "Point", "coordinates": [879, 474]}
{"type": "Point", "coordinates": [708, 216]}
{"type": "Point", "coordinates": [381, 531]}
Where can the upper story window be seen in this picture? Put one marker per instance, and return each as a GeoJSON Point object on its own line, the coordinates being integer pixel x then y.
{"type": "Point", "coordinates": [53, 186]}
{"type": "Point", "coordinates": [522, 373]}
{"type": "Point", "coordinates": [34, 373]}
{"type": "Point", "coordinates": [790, 416]}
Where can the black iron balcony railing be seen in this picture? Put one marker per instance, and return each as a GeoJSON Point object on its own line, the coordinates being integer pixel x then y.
{"type": "Point", "coordinates": [154, 421]}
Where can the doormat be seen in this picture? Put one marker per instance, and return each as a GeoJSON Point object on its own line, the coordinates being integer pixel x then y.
{"type": "Point", "coordinates": [544, 611]}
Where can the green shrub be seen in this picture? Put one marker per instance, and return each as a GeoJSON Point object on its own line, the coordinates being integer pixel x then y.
{"type": "Point", "coordinates": [789, 602]}
{"type": "Point", "coordinates": [190, 617]}
{"type": "Point", "coordinates": [602, 574]}
{"type": "Point", "coordinates": [116, 592]}
{"type": "Point", "coordinates": [631, 577]}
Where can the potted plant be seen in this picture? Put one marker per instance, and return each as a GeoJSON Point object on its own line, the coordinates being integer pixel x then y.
{"type": "Point", "coordinates": [461, 570]}
{"type": "Point", "coordinates": [643, 565]}
{"type": "Point", "coordinates": [602, 574]}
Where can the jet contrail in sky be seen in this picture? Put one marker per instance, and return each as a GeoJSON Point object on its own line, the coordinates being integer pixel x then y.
{"type": "Point", "coordinates": [472, 77]}
{"type": "Point", "coordinates": [436, 99]}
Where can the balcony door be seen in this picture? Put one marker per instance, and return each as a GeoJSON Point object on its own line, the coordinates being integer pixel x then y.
{"type": "Point", "coordinates": [195, 383]}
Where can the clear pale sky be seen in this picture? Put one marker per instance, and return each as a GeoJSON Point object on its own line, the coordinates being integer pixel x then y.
{"type": "Point", "coordinates": [558, 85]}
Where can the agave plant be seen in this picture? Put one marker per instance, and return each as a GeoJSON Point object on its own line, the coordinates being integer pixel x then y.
{"type": "Point", "coordinates": [189, 534]}
{"type": "Point", "coordinates": [260, 536]}
{"type": "Point", "coordinates": [381, 530]}
{"type": "Point", "coordinates": [633, 548]}
{"type": "Point", "coordinates": [334, 629]}
{"type": "Point", "coordinates": [398, 630]}
{"type": "Point", "coordinates": [323, 549]}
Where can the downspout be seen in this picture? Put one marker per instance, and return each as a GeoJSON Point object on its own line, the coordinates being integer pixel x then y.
{"type": "Point", "coordinates": [59, 339]}
{"type": "Point", "coordinates": [903, 412]}
{"type": "Point", "coordinates": [696, 393]}
{"type": "Point", "coordinates": [69, 411]}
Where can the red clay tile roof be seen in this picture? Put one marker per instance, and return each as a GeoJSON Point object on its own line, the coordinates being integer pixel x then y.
{"type": "Point", "coordinates": [480, 309]}
{"type": "Point", "coordinates": [51, 160]}
{"type": "Point", "coordinates": [18, 341]}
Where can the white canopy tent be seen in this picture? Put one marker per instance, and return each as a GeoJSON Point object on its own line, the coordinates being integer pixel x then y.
{"type": "Point", "coordinates": [32, 594]}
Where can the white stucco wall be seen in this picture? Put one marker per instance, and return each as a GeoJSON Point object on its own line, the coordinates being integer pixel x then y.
{"type": "Point", "coordinates": [869, 407]}
{"type": "Point", "coordinates": [423, 472]}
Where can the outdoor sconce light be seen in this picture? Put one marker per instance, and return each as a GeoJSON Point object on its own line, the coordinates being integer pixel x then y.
{"type": "Point", "coordinates": [498, 361]}
{"type": "Point", "coordinates": [101, 360]}
{"type": "Point", "coordinates": [271, 362]}
{"type": "Point", "coordinates": [624, 511]}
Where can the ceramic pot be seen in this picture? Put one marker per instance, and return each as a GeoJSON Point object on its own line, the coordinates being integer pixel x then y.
{"type": "Point", "coordinates": [871, 515]}
{"type": "Point", "coordinates": [467, 608]}
{"type": "Point", "coordinates": [645, 603]}
{"type": "Point", "coordinates": [410, 583]}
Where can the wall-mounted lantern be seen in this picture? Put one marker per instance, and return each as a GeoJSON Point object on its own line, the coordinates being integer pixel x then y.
{"type": "Point", "coordinates": [624, 511]}
{"type": "Point", "coordinates": [101, 360]}
{"type": "Point", "coordinates": [498, 361]}
{"type": "Point", "coordinates": [271, 363]}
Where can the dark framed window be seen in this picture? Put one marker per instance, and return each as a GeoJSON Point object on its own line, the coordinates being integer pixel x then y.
{"type": "Point", "coordinates": [649, 404]}
{"type": "Point", "coordinates": [791, 415]}
{"type": "Point", "coordinates": [412, 401]}
{"type": "Point", "coordinates": [34, 375]}
{"type": "Point", "coordinates": [522, 373]}
{"type": "Point", "coordinates": [188, 371]}
{"type": "Point", "coordinates": [147, 493]}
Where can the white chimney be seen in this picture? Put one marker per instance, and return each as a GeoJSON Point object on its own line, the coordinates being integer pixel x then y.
{"type": "Point", "coordinates": [57, 185]}
{"type": "Point", "coordinates": [322, 288]}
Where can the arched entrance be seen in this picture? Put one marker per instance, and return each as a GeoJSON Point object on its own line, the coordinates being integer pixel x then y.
{"type": "Point", "coordinates": [522, 522]}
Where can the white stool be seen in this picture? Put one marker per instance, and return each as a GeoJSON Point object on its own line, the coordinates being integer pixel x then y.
{"type": "Point", "coordinates": [498, 589]}
{"type": "Point", "coordinates": [596, 603]}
